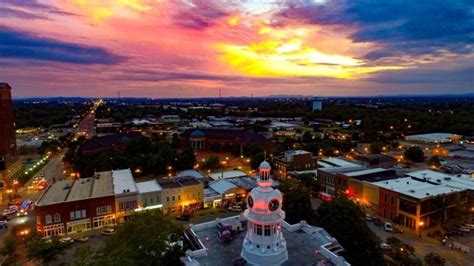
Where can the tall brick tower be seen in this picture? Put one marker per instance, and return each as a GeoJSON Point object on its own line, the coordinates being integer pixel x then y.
{"type": "Point", "coordinates": [10, 164]}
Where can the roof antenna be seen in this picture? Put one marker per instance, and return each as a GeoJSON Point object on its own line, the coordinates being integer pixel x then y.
{"type": "Point", "coordinates": [265, 155]}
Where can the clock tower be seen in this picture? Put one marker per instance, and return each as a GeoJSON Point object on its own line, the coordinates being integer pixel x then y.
{"type": "Point", "coordinates": [264, 243]}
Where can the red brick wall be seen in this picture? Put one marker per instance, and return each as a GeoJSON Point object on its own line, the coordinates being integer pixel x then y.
{"type": "Point", "coordinates": [65, 208]}
{"type": "Point", "coordinates": [385, 206]}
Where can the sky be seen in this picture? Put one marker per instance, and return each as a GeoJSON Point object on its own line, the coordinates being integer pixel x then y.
{"type": "Point", "coordinates": [196, 48]}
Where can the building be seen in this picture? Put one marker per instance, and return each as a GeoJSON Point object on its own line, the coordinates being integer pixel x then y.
{"type": "Point", "coordinates": [223, 139]}
{"type": "Point", "coordinates": [73, 206]}
{"type": "Point", "coordinates": [10, 163]}
{"type": "Point", "coordinates": [328, 168]}
{"type": "Point", "coordinates": [226, 174]}
{"type": "Point", "coordinates": [434, 138]}
{"type": "Point", "coordinates": [423, 198]}
{"type": "Point", "coordinates": [181, 193]}
{"type": "Point", "coordinates": [268, 240]}
{"type": "Point", "coordinates": [126, 194]}
{"type": "Point", "coordinates": [376, 160]}
{"type": "Point", "coordinates": [108, 143]}
{"type": "Point", "coordinates": [293, 160]}
{"type": "Point", "coordinates": [150, 195]}
{"type": "Point", "coordinates": [171, 119]}
{"type": "Point", "coordinates": [350, 183]}
{"type": "Point", "coordinates": [317, 104]}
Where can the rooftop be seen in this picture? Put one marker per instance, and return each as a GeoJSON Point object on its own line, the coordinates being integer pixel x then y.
{"type": "Point", "coordinates": [415, 188]}
{"type": "Point", "coordinates": [303, 248]}
{"type": "Point", "coordinates": [221, 186]}
{"type": "Point", "coordinates": [103, 184]}
{"type": "Point", "coordinates": [123, 181]}
{"type": "Point", "coordinates": [55, 193]}
{"type": "Point", "coordinates": [226, 174]}
{"type": "Point", "coordinates": [179, 181]}
{"type": "Point", "coordinates": [337, 162]}
{"type": "Point", "coordinates": [366, 172]}
{"type": "Point", "coordinates": [148, 186]}
{"type": "Point", "coordinates": [432, 137]}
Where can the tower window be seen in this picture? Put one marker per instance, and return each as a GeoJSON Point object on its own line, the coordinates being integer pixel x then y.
{"type": "Point", "coordinates": [259, 229]}
{"type": "Point", "coordinates": [267, 230]}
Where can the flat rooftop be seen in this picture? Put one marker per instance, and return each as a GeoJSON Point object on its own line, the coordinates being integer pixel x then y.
{"type": "Point", "coordinates": [55, 193]}
{"type": "Point", "coordinates": [302, 248]}
{"type": "Point", "coordinates": [338, 162]}
{"type": "Point", "coordinates": [123, 182]}
{"type": "Point", "coordinates": [103, 184]}
{"type": "Point", "coordinates": [148, 186]}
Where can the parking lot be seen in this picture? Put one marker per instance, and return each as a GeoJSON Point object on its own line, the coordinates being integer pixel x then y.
{"type": "Point", "coordinates": [426, 244]}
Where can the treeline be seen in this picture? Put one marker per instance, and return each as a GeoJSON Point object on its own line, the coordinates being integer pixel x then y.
{"type": "Point", "coordinates": [45, 114]}
{"type": "Point", "coordinates": [143, 155]}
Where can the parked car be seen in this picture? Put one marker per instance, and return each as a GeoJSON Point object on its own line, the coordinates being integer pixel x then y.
{"type": "Point", "coordinates": [384, 245]}
{"type": "Point", "coordinates": [3, 223]}
{"type": "Point", "coordinates": [66, 239]}
{"type": "Point", "coordinates": [82, 239]}
{"type": "Point", "coordinates": [10, 210]}
{"type": "Point", "coordinates": [108, 232]}
{"type": "Point", "coordinates": [388, 227]}
{"type": "Point", "coordinates": [378, 222]}
{"type": "Point", "coordinates": [368, 218]}
{"type": "Point", "coordinates": [235, 208]}
{"type": "Point", "coordinates": [397, 229]}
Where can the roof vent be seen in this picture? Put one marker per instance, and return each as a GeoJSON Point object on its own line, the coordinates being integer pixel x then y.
{"type": "Point", "coordinates": [447, 178]}
{"type": "Point", "coordinates": [427, 194]}
{"type": "Point", "coordinates": [408, 182]}
{"type": "Point", "coordinates": [411, 190]}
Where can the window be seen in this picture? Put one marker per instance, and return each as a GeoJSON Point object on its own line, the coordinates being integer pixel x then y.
{"type": "Point", "coordinates": [391, 200]}
{"type": "Point", "coordinates": [57, 218]}
{"type": "Point", "coordinates": [385, 198]}
{"type": "Point", "coordinates": [151, 200]}
{"type": "Point", "coordinates": [259, 229]}
{"type": "Point", "coordinates": [77, 214]}
{"type": "Point", "coordinates": [83, 213]}
{"type": "Point", "coordinates": [167, 199]}
{"type": "Point", "coordinates": [267, 230]}
{"type": "Point", "coordinates": [173, 198]}
{"type": "Point", "coordinates": [71, 216]}
{"type": "Point", "coordinates": [48, 219]}
{"type": "Point", "coordinates": [179, 197]}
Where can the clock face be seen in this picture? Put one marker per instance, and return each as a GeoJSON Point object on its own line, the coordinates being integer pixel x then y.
{"type": "Point", "coordinates": [250, 201]}
{"type": "Point", "coordinates": [273, 205]}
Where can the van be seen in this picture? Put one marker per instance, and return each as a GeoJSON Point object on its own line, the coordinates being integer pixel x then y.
{"type": "Point", "coordinates": [108, 232]}
{"type": "Point", "coordinates": [388, 227]}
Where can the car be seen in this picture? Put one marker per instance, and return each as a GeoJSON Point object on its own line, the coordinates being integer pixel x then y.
{"type": "Point", "coordinates": [3, 223]}
{"type": "Point", "coordinates": [388, 227]}
{"type": "Point", "coordinates": [377, 222]}
{"type": "Point", "coordinates": [397, 229]}
{"type": "Point", "coordinates": [66, 239]}
{"type": "Point", "coordinates": [384, 245]}
{"type": "Point", "coordinates": [235, 208]}
{"type": "Point", "coordinates": [470, 226]}
{"type": "Point", "coordinates": [82, 239]}
{"type": "Point", "coordinates": [368, 218]}
{"type": "Point", "coordinates": [108, 232]}
{"type": "Point", "coordinates": [184, 216]}
{"type": "Point", "coordinates": [10, 210]}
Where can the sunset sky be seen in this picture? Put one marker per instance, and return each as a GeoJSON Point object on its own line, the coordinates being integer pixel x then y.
{"type": "Point", "coordinates": [162, 49]}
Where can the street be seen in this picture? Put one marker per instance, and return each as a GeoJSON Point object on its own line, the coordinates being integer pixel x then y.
{"type": "Point", "coordinates": [425, 245]}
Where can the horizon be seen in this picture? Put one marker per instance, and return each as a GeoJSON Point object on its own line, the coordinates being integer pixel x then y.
{"type": "Point", "coordinates": [207, 49]}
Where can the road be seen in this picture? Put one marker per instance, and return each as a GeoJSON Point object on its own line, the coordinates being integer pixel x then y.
{"type": "Point", "coordinates": [86, 126]}
{"type": "Point", "coordinates": [425, 245]}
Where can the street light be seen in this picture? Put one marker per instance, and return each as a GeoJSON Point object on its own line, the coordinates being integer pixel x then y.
{"type": "Point", "coordinates": [420, 224]}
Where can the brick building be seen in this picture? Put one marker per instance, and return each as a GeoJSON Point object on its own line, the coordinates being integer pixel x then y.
{"type": "Point", "coordinates": [73, 206]}
{"type": "Point", "coordinates": [293, 160]}
{"type": "Point", "coordinates": [10, 163]}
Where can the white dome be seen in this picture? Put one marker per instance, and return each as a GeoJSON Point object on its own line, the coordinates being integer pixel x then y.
{"type": "Point", "coordinates": [264, 165]}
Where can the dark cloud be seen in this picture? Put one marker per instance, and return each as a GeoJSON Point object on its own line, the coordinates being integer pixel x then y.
{"type": "Point", "coordinates": [401, 26]}
{"type": "Point", "coordinates": [35, 6]}
{"type": "Point", "coordinates": [16, 13]}
{"type": "Point", "coordinates": [200, 14]}
{"type": "Point", "coordinates": [25, 45]}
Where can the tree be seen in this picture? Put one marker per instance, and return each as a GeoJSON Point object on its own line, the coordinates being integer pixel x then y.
{"type": "Point", "coordinates": [186, 159]}
{"type": "Point", "coordinates": [212, 162]}
{"type": "Point", "coordinates": [9, 244]}
{"type": "Point", "coordinates": [84, 255]}
{"type": "Point", "coordinates": [43, 250]}
{"type": "Point", "coordinates": [129, 246]}
{"type": "Point", "coordinates": [297, 203]}
{"type": "Point", "coordinates": [376, 147]}
{"type": "Point", "coordinates": [415, 154]}
{"type": "Point", "coordinates": [433, 259]}
{"type": "Point", "coordinates": [434, 162]}
{"type": "Point", "coordinates": [344, 220]}
{"type": "Point", "coordinates": [256, 159]}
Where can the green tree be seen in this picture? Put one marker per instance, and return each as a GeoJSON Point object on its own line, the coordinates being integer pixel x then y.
{"type": "Point", "coordinates": [186, 159]}
{"type": "Point", "coordinates": [213, 162]}
{"type": "Point", "coordinates": [9, 244]}
{"type": "Point", "coordinates": [344, 220]}
{"type": "Point", "coordinates": [84, 256]}
{"type": "Point", "coordinates": [256, 159]}
{"type": "Point", "coordinates": [433, 259]}
{"type": "Point", "coordinates": [376, 147]}
{"type": "Point", "coordinates": [415, 154]}
{"type": "Point", "coordinates": [45, 251]}
{"type": "Point", "coordinates": [129, 246]}
{"type": "Point", "coordinates": [434, 161]}
{"type": "Point", "coordinates": [297, 203]}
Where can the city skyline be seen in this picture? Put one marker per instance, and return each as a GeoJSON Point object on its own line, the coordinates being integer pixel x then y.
{"type": "Point", "coordinates": [165, 49]}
